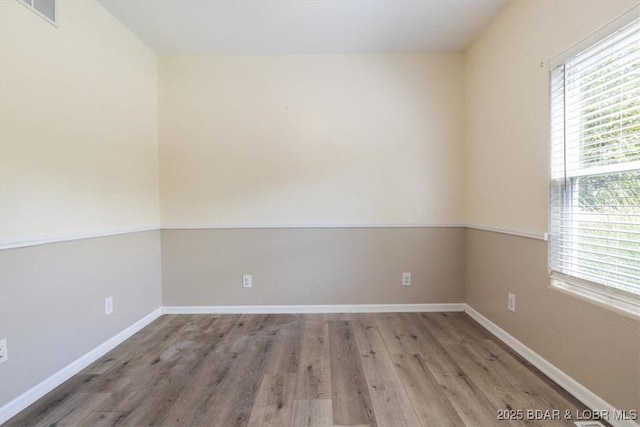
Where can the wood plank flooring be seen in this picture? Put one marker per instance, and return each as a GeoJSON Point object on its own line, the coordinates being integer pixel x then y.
{"type": "Point", "coordinates": [387, 369]}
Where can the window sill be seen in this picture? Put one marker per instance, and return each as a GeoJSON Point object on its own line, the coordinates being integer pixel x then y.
{"type": "Point", "coordinates": [622, 306]}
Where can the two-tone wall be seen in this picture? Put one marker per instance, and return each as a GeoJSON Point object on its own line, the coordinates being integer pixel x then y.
{"type": "Point", "coordinates": [323, 176]}
{"type": "Point", "coordinates": [507, 101]}
{"type": "Point", "coordinates": [78, 158]}
{"type": "Point", "coordinates": [320, 175]}
{"type": "Point", "coordinates": [250, 146]}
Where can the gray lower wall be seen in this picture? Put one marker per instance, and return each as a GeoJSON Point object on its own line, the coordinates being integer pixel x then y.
{"type": "Point", "coordinates": [52, 301]}
{"type": "Point", "coordinates": [312, 266]}
{"type": "Point", "coordinates": [52, 296]}
{"type": "Point", "coordinates": [598, 347]}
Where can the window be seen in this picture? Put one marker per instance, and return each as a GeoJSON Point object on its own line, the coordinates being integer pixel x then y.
{"type": "Point", "coordinates": [595, 169]}
{"type": "Point", "coordinates": [45, 8]}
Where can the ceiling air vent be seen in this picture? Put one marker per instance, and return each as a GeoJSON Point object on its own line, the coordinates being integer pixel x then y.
{"type": "Point", "coordinates": [45, 8]}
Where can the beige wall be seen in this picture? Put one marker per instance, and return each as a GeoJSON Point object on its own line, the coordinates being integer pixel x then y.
{"type": "Point", "coordinates": [507, 107]}
{"type": "Point", "coordinates": [313, 266]}
{"type": "Point", "coordinates": [507, 183]}
{"type": "Point", "coordinates": [52, 305]}
{"type": "Point", "coordinates": [78, 129]}
{"type": "Point", "coordinates": [311, 139]}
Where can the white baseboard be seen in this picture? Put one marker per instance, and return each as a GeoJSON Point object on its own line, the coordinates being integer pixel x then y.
{"type": "Point", "coordinates": [580, 392]}
{"type": "Point", "coordinates": [30, 396]}
{"type": "Point", "coordinates": [299, 309]}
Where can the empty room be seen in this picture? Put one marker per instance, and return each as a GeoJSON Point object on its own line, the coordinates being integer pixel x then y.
{"type": "Point", "coordinates": [320, 213]}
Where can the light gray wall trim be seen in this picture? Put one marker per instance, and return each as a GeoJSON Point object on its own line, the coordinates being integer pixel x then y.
{"type": "Point", "coordinates": [67, 238]}
{"type": "Point", "coordinates": [527, 234]}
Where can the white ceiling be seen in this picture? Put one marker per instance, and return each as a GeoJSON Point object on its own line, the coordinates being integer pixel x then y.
{"type": "Point", "coordinates": [305, 26]}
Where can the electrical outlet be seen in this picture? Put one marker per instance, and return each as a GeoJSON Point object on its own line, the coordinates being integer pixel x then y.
{"type": "Point", "coordinates": [511, 302]}
{"type": "Point", "coordinates": [247, 281]}
{"type": "Point", "coordinates": [108, 305]}
{"type": "Point", "coordinates": [4, 355]}
{"type": "Point", "coordinates": [406, 279]}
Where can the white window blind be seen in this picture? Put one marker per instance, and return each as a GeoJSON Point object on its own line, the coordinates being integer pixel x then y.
{"type": "Point", "coordinates": [595, 167]}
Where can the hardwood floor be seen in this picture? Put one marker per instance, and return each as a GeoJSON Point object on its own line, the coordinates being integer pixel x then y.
{"type": "Point", "coordinates": [389, 369]}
